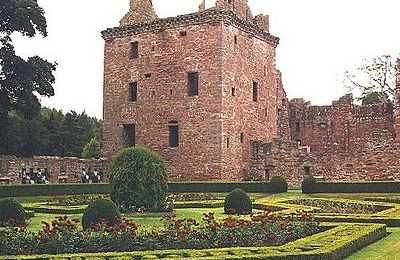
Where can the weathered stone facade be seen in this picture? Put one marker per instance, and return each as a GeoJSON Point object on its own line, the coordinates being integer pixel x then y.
{"type": "Point", "coordinates": [62, 169]}
{"type": "Point", "coordinates": [343, 141]}
{"type": "Point", "coordinates": [397, 114]}
{"type": "Point", "coordinates": [237, 89]}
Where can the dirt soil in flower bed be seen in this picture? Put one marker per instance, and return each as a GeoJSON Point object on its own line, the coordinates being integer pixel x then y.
{"type": "Point", "coordinates": [339, 207]}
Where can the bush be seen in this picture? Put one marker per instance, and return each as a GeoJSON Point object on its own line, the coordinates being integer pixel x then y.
{"type": "Point", "coordinates": [11, 210]}
{"type": "Point", "coordinates": [238, 202]}
{"type": "Point", "coordinates": [92, 149]}
{"type": "Point", "coordinates": [308, 185]}
{"type": "Point", "coordinates": [278, 184]}
{"type": "Point", "coordinates": [103, 209]}
{"type": "Point", "coordinates": [138, 179]}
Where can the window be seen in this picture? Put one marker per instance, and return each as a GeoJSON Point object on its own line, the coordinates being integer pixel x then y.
{"type": "Point", "coordinates": [235, 39]}
{"type": "Point", "coordinates": [233, 92]}
{"type": "Point", "coordinates": [129, 135]}
{"type": "Point", "coordinates": [134, 50]}
{"type": "Point", "coordinates": [242, 137]}
{"type": "Point", "coordinates": [255, 91]}
{"type": "Point", "coordinates": [307, 170]}
{"type": "Point", "coordinates": [147, 76]}
{"type": "Point", "coordinates": [183, 33]}
{"type": "Point", "coordinates": [193, 84]}
{"type": "Point", "coordinates": [227, 142]}
{"type": "Point", "coordinates": [298, 127]}
{"type": "Point", "coordinates": [173, 134]}
{"type": "Point", "coordinates": [133, 92]}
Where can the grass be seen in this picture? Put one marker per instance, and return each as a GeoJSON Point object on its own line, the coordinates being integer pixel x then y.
{"type": "Point", "coordinates": [387, 248]}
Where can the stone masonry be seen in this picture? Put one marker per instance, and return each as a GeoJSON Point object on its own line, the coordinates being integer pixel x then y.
{"type": "Point", "coordinates": [343, 141]}
{"type": "Point", "coordinates": [233, 55]}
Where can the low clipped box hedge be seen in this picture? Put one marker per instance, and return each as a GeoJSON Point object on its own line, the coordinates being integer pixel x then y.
{"type": "Point", "coordinates": [218, 186]}
{"type": "Point", "coordinates": [53, 190]}
{"type": "Point", "coordinates": [358, 187]}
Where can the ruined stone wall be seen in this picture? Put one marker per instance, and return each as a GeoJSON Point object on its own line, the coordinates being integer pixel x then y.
{"type": "Point", "coordinates": [340, 124]}
{"type": "Point", "coordinates": [239, 7]}
{"type": "Point", "coordinates": [397, 101]}
{"type": "Point", "coordinates": [66, 169]}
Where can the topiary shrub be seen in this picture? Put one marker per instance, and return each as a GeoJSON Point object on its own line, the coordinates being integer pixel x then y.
{"type": "Point", "coordinates": [238, 202]}
{"type": "Point", "coordinates": [138, 180]}
{"type": "Point", "coordinates": [278, 184]}
{"type": "Point", "coordinates": [102, 209]}
{"type": "Point", "coordinates": [11, 210]}
{"type": "Point", "coordinates": [308, 185]}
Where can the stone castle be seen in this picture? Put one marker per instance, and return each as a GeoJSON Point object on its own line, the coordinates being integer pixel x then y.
{"type": "Point", "coordinates": [203, 91]}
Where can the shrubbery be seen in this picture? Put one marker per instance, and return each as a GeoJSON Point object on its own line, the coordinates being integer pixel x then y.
{"type": "Point", "coordinates": [11, 212]}
{"type": "Point", "coordinates": [278, 184]}
{"type": "Point", "coordinates": [138, 179]}
{"type": "Point", "coordinates": [238, 202]}
{"type": "Point", "coordinates": [308, 185]}
{"type": "Point", "coordinates": [98, 211]}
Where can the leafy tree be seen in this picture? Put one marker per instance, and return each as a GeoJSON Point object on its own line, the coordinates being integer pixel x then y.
{"type": "Point", "coordinates": [92, 149]}
{"type": "Point", "coordinates": [374, 79]}
{"type": "Point", "coordinates": [21, 80]}
{"type": "Point", "coordinates": [373, 98]}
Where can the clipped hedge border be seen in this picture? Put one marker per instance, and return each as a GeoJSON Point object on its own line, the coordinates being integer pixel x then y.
{"type": "Point", "coordinates": [104, 188]}
{"type": "Point", "coordinates": [52, 209]}
{"type": "Point", "coordinates": [358, 187]}
{"type": "Point", "coordinates": [336, 243]}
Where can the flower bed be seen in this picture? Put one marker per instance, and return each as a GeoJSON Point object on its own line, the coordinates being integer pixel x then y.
{"type": "Point", "coordinates": [63, 236]}
{"type": "Point", "coordinates": [339, 207]}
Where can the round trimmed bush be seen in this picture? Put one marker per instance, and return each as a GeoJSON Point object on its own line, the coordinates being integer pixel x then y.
{"type": "Point", "coordinates": [102, 209]}
{"type": "Point", "coordinates": [308, 185]}
{"type": "Point", "coordinates": [238, 202]}
{"type": "Point", "coordinates": [11, 210]}
{"type": "Point", "coordinates": [278, 184]}
{"type": "Point", "coordinates": [138, 179]}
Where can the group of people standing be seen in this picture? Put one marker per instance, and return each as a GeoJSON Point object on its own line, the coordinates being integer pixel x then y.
{"type": "Point", "coordinates": [35, 177]}
{"type": "Point", "coordinates": [90, 176]}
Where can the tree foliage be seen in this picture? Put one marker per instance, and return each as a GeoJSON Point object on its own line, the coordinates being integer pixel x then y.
{"type": "Point", "coordinates": [373, 80]}
{"type": "Point", "coordinates": [51, 132]}
{"type": "Point", "coordinates": [22, 80]}
{"type": "Point", "coordinates": [92, 149]}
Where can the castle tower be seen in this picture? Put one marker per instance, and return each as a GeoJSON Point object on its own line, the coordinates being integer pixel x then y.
{"type": "Point", "coordinates": [397, 101]}
{"type": "Point", "coordinates": [196, 88]}
{"type": "Point", "coordinates": [140, 11]}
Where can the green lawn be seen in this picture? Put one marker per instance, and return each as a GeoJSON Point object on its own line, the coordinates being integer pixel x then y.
{"type": "Point", "coordinates": [387, 248]}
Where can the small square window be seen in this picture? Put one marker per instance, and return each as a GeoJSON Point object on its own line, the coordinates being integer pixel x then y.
{"type": "Point", "coordinates": [183, 33]}
{"type": "Point", "coordinates": [147, 76]}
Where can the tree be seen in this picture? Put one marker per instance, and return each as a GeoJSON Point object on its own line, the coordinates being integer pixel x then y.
{"type": "Point", "coordinates": [21, 80]}
{"type": "Point", "coordinates": [374, 80]}
{"type": "Point", "coordinates": [92, 149]}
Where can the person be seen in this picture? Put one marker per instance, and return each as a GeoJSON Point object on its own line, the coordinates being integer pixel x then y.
{"type": "Point", "coordinates": [23, 176]}
{"type": "Point", "coordinates": [84, 176]}
{"type": "Point", "coordinates": [32, 176]}
{"type": "Point", "coordinates": [46, 175]}
{"type": "Point", "coordinates": [95, 176]}
{"type": "Point", "coordinates": [90, 175]}
{"type": "Point", "coordinates": [101, 175]}
{"type": "Point", "coordinates": [40, 177]}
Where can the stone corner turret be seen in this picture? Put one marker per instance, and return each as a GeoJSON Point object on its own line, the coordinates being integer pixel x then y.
{"type": "Point", "coordinates": [140, 11]}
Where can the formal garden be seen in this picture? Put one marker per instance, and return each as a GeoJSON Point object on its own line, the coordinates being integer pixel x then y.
{"type": "Point", "coordinates": [138, 215]}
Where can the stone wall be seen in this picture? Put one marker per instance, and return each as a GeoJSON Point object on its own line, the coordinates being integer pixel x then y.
{"type": "Point", "coordinates": [216, 126]}
{"type": "Point", "coordinates": [62, 169]}
{"type": "Point", "coordinates": [397, 98]}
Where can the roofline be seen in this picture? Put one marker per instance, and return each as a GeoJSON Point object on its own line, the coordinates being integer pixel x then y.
{"type": "Point", "coordinates": [208, 16]}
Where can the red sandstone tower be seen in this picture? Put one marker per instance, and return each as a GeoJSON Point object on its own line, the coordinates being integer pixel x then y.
{"type": "Point", "coordinates": [397, 101]}
{"type": "Point", "coordinates": [195, 88]}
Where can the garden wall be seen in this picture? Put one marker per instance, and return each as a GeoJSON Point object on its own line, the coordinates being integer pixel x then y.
{"type": "Point", "coordinates": [62, 169]}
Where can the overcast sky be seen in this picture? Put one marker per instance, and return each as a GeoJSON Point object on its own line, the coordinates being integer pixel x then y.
{"type": "Point", "coordinates": [319, 41]}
